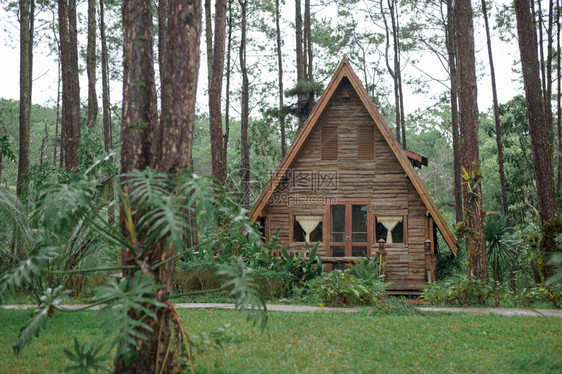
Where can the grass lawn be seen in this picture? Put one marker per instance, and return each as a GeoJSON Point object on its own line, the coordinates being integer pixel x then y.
{"type": "Point", "coordinates": [363, 342]}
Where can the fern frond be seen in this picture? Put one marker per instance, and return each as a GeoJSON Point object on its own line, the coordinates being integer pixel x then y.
{"type": "Point", "coordinates": [86, 358]}
{"type": "Point", "coordinates": [26, 269]}
{"type": "Point", "coordinates": [13, 216]}
{"type": "Point", "coordinates": [51, 298]}
{"type": "Point", "coordinates": [64, 204]}
{"type": "Point", "coordinates": [245, 291]}
{"type": "Point", "coordinates": [121, 298]}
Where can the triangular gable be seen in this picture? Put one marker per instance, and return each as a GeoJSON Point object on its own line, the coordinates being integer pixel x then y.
{"type": "Point", "coordinates": [344, 70]}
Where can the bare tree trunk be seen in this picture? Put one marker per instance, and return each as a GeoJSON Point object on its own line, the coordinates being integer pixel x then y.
{"type": "Point", "coordinates": [453, 77]}
{"type": "Point", "coordinates": [301, 70]}
{"type": "Point", "coordinates": [392, 70]}
{"type": "Point", "coordinates": [106, 105]}
{"type": "Point", "coordinates": [496, 112]}
{"type": "Point", "coordinates": [162, 42]}
{"type": "Point", "coordinates": [26, 78]}
{"type": "Point", "coordinates": [309, 65]}
{"type": "Point", "coordinates": [537, 125]}
{"type": "Point", "coordinates": [473, 231]}
{"type": "Point", "coordinates": [44, 144]}
{"type": "Point", "coordinates": [215, 94]}
{"type": "Point", "coordinates": [2, 133]}
{"type": "Point", "coordinates": [91, 65]}
{"type": "Point", "coordinates": [70, 86]}
{"type": "Point", "coordinates": [400, 120]}
{"type": "Point", "coordinates": [558, 97]}
{"type": "Point", "coordinates": [228, 73]}
{"type": "Point", "coordinates": [244, 147]}
{"type": "Point", "coordinates": [209, 39]}
{"type": "Point", "coordinates": [280, 78]}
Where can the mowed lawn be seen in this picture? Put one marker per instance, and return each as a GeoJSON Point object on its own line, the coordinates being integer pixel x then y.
{"type": "Point", "coordinates": [362, 342]}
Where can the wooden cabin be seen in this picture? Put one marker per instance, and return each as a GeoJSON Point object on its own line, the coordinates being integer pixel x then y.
{"type": "Point", "coordinates": [347, 184]}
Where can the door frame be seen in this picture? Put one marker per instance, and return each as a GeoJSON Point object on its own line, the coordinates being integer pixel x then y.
{"type": "Point", "coordinates": [348, 244]}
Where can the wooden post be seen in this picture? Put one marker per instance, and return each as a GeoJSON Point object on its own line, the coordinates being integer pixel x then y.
{"type": "Point", "coordinates": [428, 262]}
{"type": "Point", "coordinates": [382, 259]}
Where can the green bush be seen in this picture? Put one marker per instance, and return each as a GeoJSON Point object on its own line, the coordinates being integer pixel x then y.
{"type": "Point", "coordinates": [366, 268]}
{"type": "Point", "coordinates": [462, 290]}
{"type": "Point", "coordinates": [341, 288]}
{"type": "Point", "coordinates": [201, 275]}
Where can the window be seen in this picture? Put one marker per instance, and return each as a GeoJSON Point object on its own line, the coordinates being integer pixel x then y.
{"type": "Point", "coordinates": [307, 229]}
{"type": "Point", "coordinates": [366, 142]}
{"type": "Point", "coordinates": [390, 228]}
{"type": "Point", "coordinates": [329, 140]}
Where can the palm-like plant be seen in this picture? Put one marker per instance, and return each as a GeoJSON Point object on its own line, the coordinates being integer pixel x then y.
{"type": "Point", "coordinates": [500, 247]}
{"type": "Point", "coordinates": [70, 216]}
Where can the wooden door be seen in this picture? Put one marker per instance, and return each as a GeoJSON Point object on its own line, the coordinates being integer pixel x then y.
{"type": "Point", "coordinates": [349, 229]}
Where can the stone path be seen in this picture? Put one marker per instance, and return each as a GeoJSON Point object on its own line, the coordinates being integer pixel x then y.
{"type": "Point", "coordinates": [305, 308]}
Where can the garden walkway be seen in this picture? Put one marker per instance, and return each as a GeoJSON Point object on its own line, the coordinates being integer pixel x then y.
{"type": "Point", "coordinates": [306, 308]}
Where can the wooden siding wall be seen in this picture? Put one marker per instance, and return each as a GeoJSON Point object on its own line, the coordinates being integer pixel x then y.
{"type": "Point", "coordinates": [380, 180]}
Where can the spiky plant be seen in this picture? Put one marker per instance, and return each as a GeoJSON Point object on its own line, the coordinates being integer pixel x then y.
{"type": "Point", "coordinates": [500, 248]}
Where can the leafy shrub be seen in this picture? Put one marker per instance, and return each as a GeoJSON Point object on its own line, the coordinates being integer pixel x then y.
{"type": "Point", "coordinates": [341, 288]}
{"type": "Point", "coordinates": [272, 284]}
{"type": "Point", "coordinates": [462, 290]}
{"type": "Point", "coordinates": [366, 268]}
{"type": "Point", "coordinates": [501, 248]}
{"type": "Point", "coordinates": [202, 275]}
{"type": "Point", "coordinates": [195, 276]}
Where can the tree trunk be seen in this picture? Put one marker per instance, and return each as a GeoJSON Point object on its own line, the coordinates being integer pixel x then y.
{"type": "Point", "coordinates": [542, 158]}
{"type": "Point", "coordinates": [301, 69]}
{"type": "Point", "coordinates": [209, 39]}
{"type": "Point", "coordinates": [496, 112]}
{"type": "Point", "coordinates": [392, 69]}
{"type": "Point", "coordinates": [244, 116]}
{"type": "Point", "coordinates": [473, 231]}
{"type": "Point", "coordinates": [163, 45]}
{"type": "Point", "coordinates": [70, 86]}
{"type": "Point", "coordinates": [558, 98]}
{"type": "Point", "coordinates": [26, 71]}
{"type": "Point", "coordinates": [139, 117]}
{"type": "Point", "coordinates": [215, 94]}
{"type": "Point", "coordinates": [228, 73]}
{"type": "Point", "coordinates": [91, 65]}
{"type": "Point", "coordinates": [280, 78]}
{"type": "Point", "coordinates": [309, 66]}
{"type": "Point", "coordinates": [453, 78]}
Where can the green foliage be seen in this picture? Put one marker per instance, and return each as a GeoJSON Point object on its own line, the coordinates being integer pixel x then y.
{"type": "Point", "coordinates": [244, 289]}
{"type": "Point", "coordinates": [341, 288]}
{"type": "Point", "coordinates": [464, 290]}
{"type": "Point", "coordinates": [86, 358]}
{"type": "Point", "coordinates": [51, 299]}
{"type": "Point", "coordinates": [556, 279]}
{"type": "Point", "coordinates": [132, 294]}
{"type": "Point", "coordinates": [24, 272]}
{"type": "Point", "coordinates": [302, 268]}
{"type": "Point", "coordinates": [6, 148]}
{"type": "Point", "coordinates": [501, 249]}
{"type": "Point", "coordinates": [366, 269]}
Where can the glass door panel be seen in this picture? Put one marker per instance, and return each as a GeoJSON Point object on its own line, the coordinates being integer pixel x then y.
{"type": "Point", "coordinates": [359, 223]}
{"type": "Point", "coordinates": [350, 226]}
{"type": "Point", "coordinates": [337, 224]}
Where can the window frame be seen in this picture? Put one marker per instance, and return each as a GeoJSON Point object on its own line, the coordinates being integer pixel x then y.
{"type": "Point", "coordinates": [291, 228]}
{"type": "Point", "coordinates": [404, 229]}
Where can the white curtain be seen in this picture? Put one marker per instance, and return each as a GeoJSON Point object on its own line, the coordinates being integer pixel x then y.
{"type": "Point", "coordinates": [308, 224]}
{"type": "Point", "coordinates": [389, 224]}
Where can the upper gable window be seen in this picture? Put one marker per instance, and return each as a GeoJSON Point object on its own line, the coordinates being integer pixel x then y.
{"type": "Point", "coordinates": [329, 142]}
{"type": "Point", "coordinates": [365, 142]}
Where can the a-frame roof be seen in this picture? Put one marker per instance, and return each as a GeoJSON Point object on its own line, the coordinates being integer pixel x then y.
{"type": "Point", "coordinates": [344, 70]}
